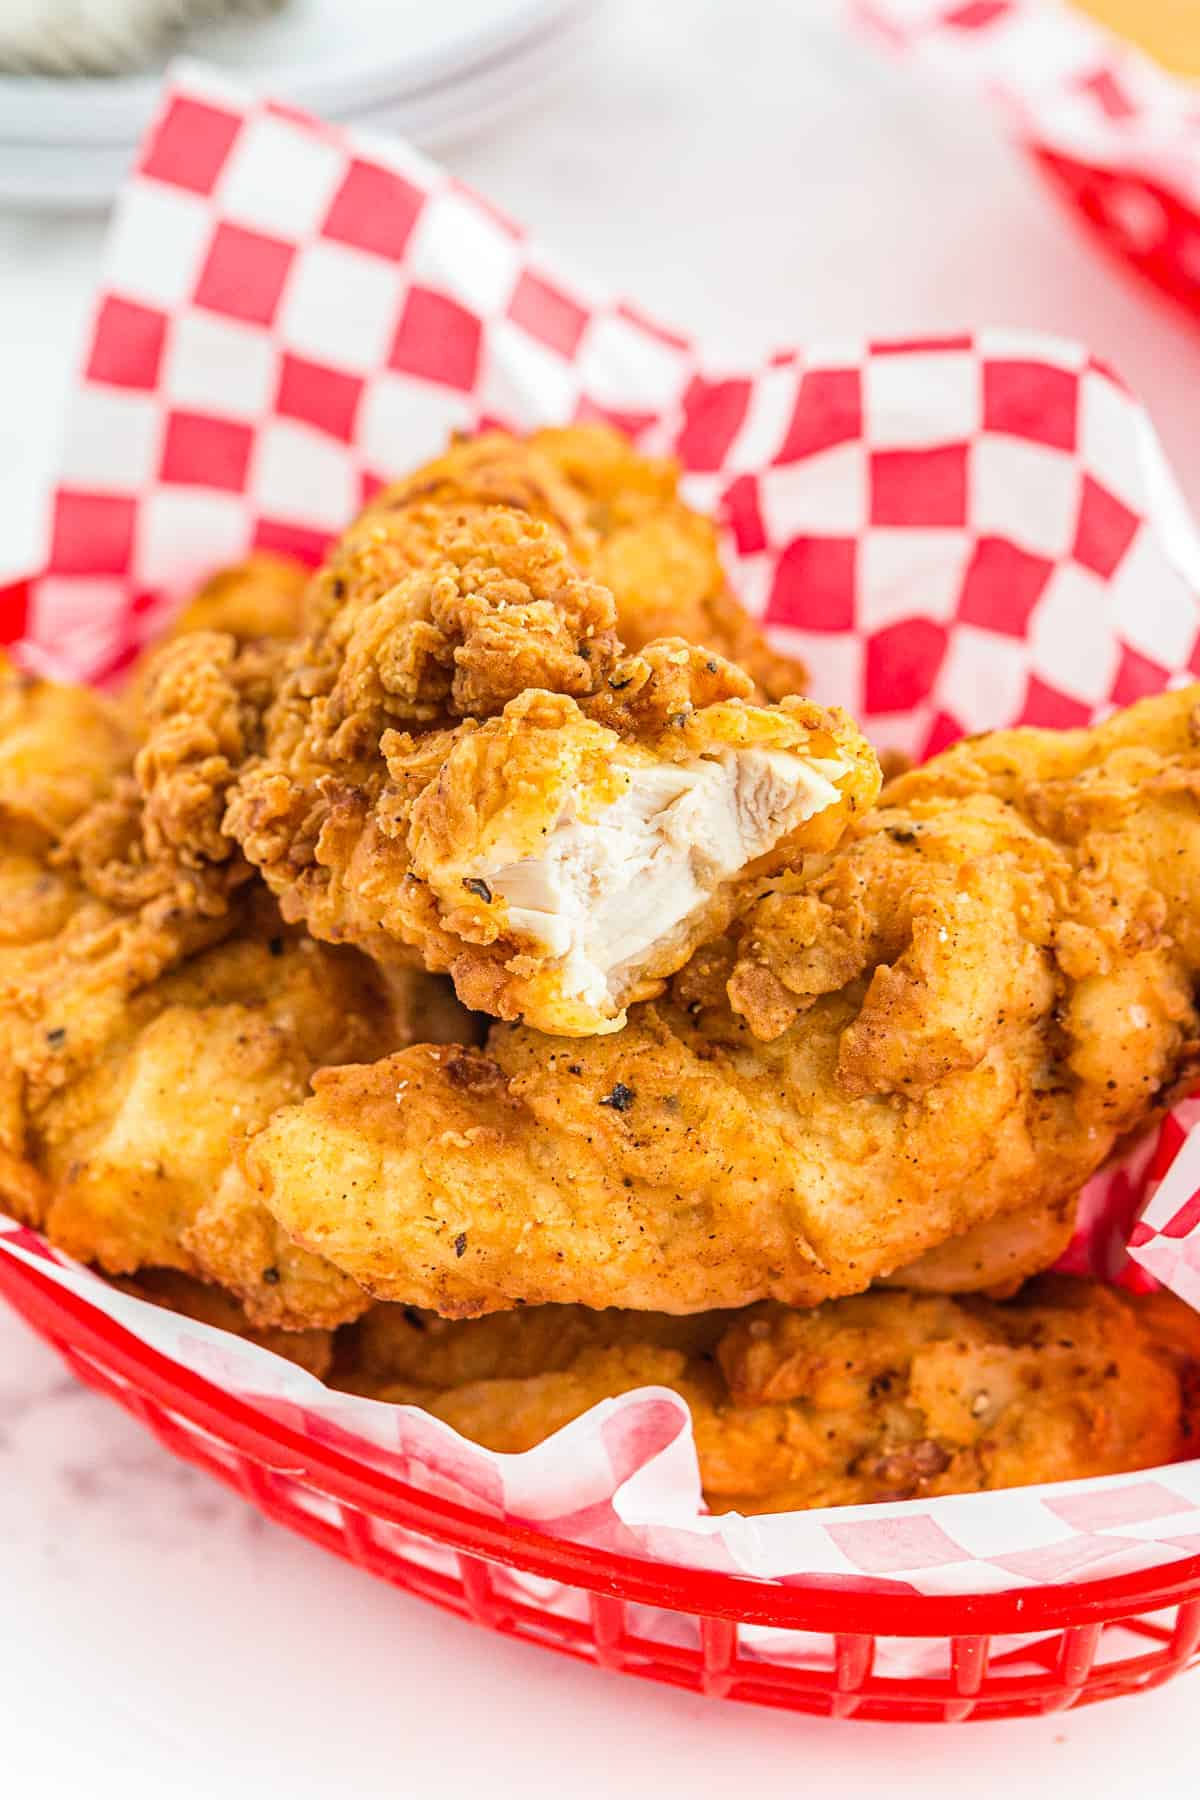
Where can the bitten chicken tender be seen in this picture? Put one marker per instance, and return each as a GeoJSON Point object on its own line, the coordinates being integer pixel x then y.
{"type": "Point", "coordinates": [953, 1017]}
{"type": "Point", "coordinates": [876, 1397]}
{"type": "Point", "coordinates": [465, 768]}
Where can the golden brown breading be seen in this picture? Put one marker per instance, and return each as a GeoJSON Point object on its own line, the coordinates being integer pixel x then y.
{"type": "Point", "coordinates": [251, 601]}
{"type": "Point", "coordinates": [178, 1293]}
{"type": "Point", "coordinates": [957, 1015]}
{"type": "Point", "coordinates": [70, 966]}
{"type": "Point", "coordinates": [463, 768]}
{"type": "Point", "coordinates": [996, 1257]}
{"type": "Point", "coordinates": [660, 558]}
{"type": "Point", "coordinates": [158, 832]}
{"type": "Point", "coordinates": [876, 1397]}
{"type": "Point", "coordinates": [135, 1152]}
{"type": "Point", "coordinates": [393, 1346]}
{"type": "Point", "coordinates": [152, 837]}
{"type": "Point", "coordinates": [261, 597]}
{"type": "Point", "coordinates": [60, 747]}
{"type": "Point", "coordinates": [405, 520]}
{"type": "Point", "coordinates": [1080, 843]}
{"type": "Point", "coordinates": [135, 1046]}
{"type": "Point", "coordinates": [617, 512]}
{"type": "Point", "coordinates": [198, 711]}
{"type": "Point", "coordinates": [71, 954]}
{"type": "Point", "coordinates": [204, 705]}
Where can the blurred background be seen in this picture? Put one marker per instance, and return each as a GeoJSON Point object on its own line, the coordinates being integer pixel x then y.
{"type": "Point", "coordinates": [753, 171]}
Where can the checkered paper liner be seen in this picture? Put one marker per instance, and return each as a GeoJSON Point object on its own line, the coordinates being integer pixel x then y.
{"type": "Point", "coordinates": [955, 533]}
{"type": "Point", "coordinates": [1114, 131]}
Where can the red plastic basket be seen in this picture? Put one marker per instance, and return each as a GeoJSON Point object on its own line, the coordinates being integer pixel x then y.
{"type": "Point", "coordinates": [1101, 1638]}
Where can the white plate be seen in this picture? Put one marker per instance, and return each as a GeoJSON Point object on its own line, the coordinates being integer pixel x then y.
{"type": "Point", "coordinates": [333, 56]}
{"type": "Point", "coordinates": [483, 96]}
{"type": "Point", "coordinates": [67, 144]}
{"type": "Point", "coordinates": [78, 176]}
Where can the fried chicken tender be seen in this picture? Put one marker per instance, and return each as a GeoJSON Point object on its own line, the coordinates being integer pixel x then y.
{"type": "Point", "coordinates": [154, 834]}
{"type": "Point", "coordinates": [254, 602]}
{"type": "Point", "coordinates": [111, 874]}
{"type": "Point", "coordinates": [135, 1045]}
{"type": "Point", "coordinates": [399, 1346]}
{"type": "Point", "coordinates": [152, 839]}
{"type": "Point", "coordinates": [193, 1299]}
{"type": "Point", "coordinates": [1070, 1379]}
{"type": "Point", "coordinates": [134, 1150]}
{"type": "Point", "coordinates": [71, 953]}
{"type": "Point", "coordinates": [136, 1153]}
{"type": "Point", "coordinates": [660, 559]}
{"type": "Point", "coordinates": [952, 1018]}
{"type": "Point", "coordinates": [70, 966]}
{"type": "Point", "coordinates": [204, 706]}
{"type": "Point", "coordinates": [876, 1397]}
{"type": "Point", "coordinates": [259, 598]}
{"type": "Point", "coordinates": [198, 711]}
{"type": "Point", "coordinates": [60, 747]}
{"type": "Point", "coordinates": [617, 512]}
{"type": "Point", "coordinates": [465, 768]}
{"type": "Point", "coordinates": [996, 1257]}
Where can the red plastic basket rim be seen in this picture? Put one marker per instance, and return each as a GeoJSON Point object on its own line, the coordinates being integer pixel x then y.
{"type": "Point", "coordinates": [815, 1605]}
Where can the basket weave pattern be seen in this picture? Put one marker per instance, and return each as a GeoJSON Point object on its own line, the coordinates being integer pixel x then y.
{"type": "Point", "coordinates": [689, 1628]}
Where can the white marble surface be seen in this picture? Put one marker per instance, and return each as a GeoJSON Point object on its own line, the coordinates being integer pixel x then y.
{"type": "Point", "coordinates": [748, 170]}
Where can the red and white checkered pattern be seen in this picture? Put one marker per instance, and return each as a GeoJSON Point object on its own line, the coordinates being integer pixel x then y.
{"type": "Point", "coordinates": [624, 1479]}
{"type": "Point", "coordinates": [1117, 134]}
{"type": "Point", "coordinates": [956, 533]}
